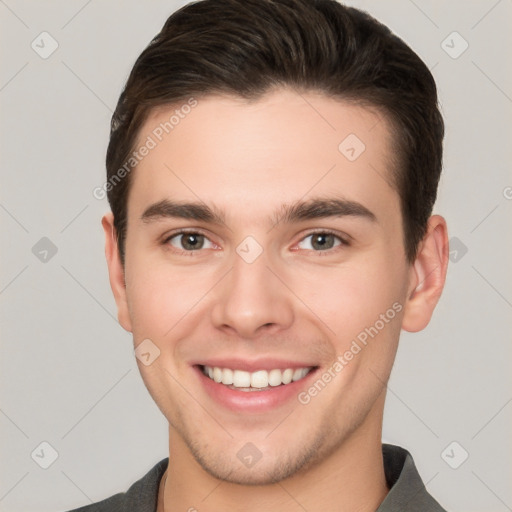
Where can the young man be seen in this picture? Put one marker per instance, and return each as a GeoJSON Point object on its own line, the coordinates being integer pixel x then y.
{"type": "Point", "coordinates": [272, 170]}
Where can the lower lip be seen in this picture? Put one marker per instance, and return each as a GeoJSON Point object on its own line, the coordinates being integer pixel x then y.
{"type": "Point", "coordinates": [253, 401]}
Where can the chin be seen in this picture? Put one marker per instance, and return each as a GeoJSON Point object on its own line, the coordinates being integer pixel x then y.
{"type": "Point", "coordinates": [232, 471]}
{"type": "Point", "coordinates": [270, 468]}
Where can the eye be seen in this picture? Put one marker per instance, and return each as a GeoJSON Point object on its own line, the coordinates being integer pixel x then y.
{"type": "Point", "coordinates": [321, 241]}
{"type": "Point", "coordinates": [189, 241]}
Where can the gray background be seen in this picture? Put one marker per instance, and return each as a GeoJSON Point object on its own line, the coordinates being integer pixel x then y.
{"type": "Point", "coordinates": [68, 374]}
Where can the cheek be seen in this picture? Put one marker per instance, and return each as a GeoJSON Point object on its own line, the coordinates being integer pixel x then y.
{"type": "Point", "coordinates": [160, 295]}
{"type": "Point", "coordinates": [350, 297]}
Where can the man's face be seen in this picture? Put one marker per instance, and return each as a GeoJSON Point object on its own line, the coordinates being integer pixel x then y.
{"type": "Point", "coordinates": [263, 290]}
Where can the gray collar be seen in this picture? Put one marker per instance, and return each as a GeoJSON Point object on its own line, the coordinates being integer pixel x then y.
{"type": "Point", "coordinates": [407, 491]}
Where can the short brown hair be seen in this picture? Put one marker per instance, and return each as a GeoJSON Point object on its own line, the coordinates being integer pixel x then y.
{"type": "Point", "coordinates": [248, 47]}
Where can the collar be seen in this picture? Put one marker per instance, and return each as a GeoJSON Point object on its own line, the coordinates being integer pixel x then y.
{"type": "Point", "coordinates": [407, 490]}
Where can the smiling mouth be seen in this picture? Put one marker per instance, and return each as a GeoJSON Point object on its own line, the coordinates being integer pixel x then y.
{"type": "Point", "coordinates": [261, 380]}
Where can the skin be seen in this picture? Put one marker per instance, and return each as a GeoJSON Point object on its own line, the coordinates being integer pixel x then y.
{"type": "Point", "coordinates": [296, 301]}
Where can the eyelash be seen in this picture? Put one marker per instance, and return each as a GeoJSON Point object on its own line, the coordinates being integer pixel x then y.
{"type": "Point", "coordinates": [343, 241]}
{"type": "Point", "coordinates": [182, 232]}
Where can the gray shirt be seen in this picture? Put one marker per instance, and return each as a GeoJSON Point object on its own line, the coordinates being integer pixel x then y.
{"type": "Point", "coordinates": [407, 491]}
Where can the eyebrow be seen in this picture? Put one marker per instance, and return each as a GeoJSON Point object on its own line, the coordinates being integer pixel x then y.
{"type": "Point", "coordinates": [311, 209]}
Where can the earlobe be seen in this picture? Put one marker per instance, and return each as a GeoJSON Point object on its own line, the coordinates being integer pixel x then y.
{"type": "Point", "coordinates": [427, 277]}
{"type": "Point", "coordinates": [116, 271]}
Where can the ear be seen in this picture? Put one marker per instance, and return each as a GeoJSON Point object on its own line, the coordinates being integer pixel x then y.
{"type": "Point", "coordinates": [427, 276]}
{"type": "Point", "coordinates": [116, 271]}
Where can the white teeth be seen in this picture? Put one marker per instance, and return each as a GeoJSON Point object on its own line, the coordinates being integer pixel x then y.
{"type": "Point", "coordinates": [227, 376]}
{"type": "Point", "coordinates": [297, 374]}
{"type": "Point", "coordinates": [259, 379]}
{"type": "Point", "coordinates": [256, 380]}
{"type": "Point", "coordinates": [287, 376]}
{"type": "Point", "coordinates": [274, 378]}
{"type": "Point", "coordinates": [241, 379]}
{"type": "Point", "coordinates": [217, 374]}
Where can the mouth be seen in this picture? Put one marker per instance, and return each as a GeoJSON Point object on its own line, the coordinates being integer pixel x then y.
{"type": "Point", "coordinates": [260, 380]}
{"type": "Point", "coordinates": [252, 388]}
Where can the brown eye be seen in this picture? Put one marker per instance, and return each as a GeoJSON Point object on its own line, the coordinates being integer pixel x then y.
{"type": "Point", "coordinates": [189, 241]}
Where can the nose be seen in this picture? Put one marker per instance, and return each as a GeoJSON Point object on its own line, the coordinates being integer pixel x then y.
{"type": "Point", "coordinates": [252, 299]}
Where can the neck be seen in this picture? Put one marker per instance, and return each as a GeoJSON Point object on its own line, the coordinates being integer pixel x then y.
{"type": "Point", "coordinates": [352, 476]}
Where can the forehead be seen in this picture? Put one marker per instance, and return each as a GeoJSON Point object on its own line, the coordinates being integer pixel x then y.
{"type": "Point", "coordinates": [228, 151]}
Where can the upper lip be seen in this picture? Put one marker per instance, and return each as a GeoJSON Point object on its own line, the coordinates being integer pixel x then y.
{"type": "Point", "coordinates": [253, 365]}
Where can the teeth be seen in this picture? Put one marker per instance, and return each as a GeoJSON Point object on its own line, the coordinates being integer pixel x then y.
{"type": "Point", "coordinates": [256, 380]}
{"type": "Point", "coordinates": [217, 374]}
{"type": "Point", "coordinates": [259, 379]}
{"type": "Point", "coordinates": [241, 379]}
{"type": "Point", "coordinates": [227, 376]}
{"type": "Point", "coordinates": [297, 374]}
{"type": "Point", "coordinates": [275, 378]}
{"type": "Point", "coordinates": [287, 376]}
